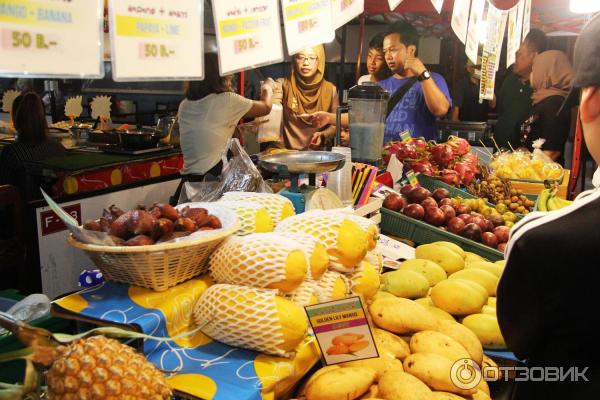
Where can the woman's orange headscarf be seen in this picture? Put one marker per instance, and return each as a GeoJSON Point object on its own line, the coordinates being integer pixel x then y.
{"type": "Point", "coordinates": [552, 75]}
{"type": "Point", "coordinates": [308, 95]}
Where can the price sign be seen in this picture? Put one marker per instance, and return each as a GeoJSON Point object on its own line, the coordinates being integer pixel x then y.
{"type": "Point", "coordinates": [344, 11]}
{"type": "Point", "coordinates": [51, 38]}
{"type": "Point", "coordinates": [475, 20]}
{"type": "Point", "coordinates": [460, 18]}
{"type": "Point", "coordinates": [307, 23]}
{"type": "Point", "coordinates": [526, 17]}
{"type": "Point", "coordinates": [156, 40]}
{"type": "Point", "coordinates": [248, 34]}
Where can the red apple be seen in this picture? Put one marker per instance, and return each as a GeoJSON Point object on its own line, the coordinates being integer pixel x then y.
{"type": "Point", "coordinates": [465, 217]}
{"type": "Point", "coordinates": [429, 202]}
{"type": "Point", "coordinates": [482, 222]}
{"type": "Point", "coordinates": [418, 195]}
{"type": "Point", "coordinates": [502, 233]}
{"type": "Point", "coordinates": [406, 189]}
{"type": "Point", "coordinates": [415, 211]}
{"type": "Point", "coordinates": [435, 216]}
{"type": "Point", "coordinates": [394, 202]}
{"type": "Point", "coordinates": [472, 231]}
{"type": "Point", "coordinates": [463, 209]}
{"type": "Point", "coordinates": [502, 247]}
{"type": "Point", "coordinates": [489, 226]}
{"type": "Point", "coordinates": [456, 225]}
{"type": "Point", "coordinates": [446, 202]}
{"type": "Point", "coordinates": [440, 193]}
{"type": "Point", "coordinates": [489, 239]}
{"type": "Point", "coordinates": [449, 212]}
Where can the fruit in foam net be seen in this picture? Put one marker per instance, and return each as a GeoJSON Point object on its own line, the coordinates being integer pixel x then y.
{"type": "Point", "coordinates": [103, 368]}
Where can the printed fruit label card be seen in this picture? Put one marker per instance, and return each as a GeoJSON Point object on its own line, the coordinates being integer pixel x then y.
{"type": "Point", "coordinates": [342, 330]}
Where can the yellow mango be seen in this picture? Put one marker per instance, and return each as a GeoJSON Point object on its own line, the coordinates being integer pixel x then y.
{"type": "Point", "coordinates": [387, 342]}
{"type": "Point", "coordinates": [448, 259]}
{"type": "Point", "coordinates": [489, 310]}
{"type": "Point", "coordinates": [397, 385]}
{"type": "Point", "coordinates": [424, 301]}
{"type": "Point", "coordinates": [400, 315]}
{"type": "Point", "coordinates": [435, 371]}
{"type": "Point", "coordinates": [295, 271]}
{"type": "Point", "coordinates": [464, 336]}
{"type": "Point", "coordinates": [487, 330]}
{"type": "Point", "coordinates": [486, 279]}
{"type": "Point", "coordinates": [437, 343]}
{"type": "Point", "coordinates": [365, 280]}
{"type": "Point", "coordinates": [405, 283]}
{"type": "Point", "coordinates": [433, 272]}
{"type": "Point", "coordinates": [452, 246]}
{"type": "Point", "coordinates": [457, 298]}
{"type": "Point", "coordinates": [486, 266]}
{"type": "Point", "coordinates": [440, 314]}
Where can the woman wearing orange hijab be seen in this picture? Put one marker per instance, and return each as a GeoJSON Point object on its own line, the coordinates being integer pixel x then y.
{"type": "Point", "coordinates": [551, 81]}
{"type": "Point", "coordinates": [306, 91]}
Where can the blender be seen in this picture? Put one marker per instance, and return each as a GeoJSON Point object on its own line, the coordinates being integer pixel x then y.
{"type": "Point", "coordinates": [367, 105]}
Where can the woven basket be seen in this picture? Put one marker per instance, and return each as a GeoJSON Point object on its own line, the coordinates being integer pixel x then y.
{"type": "Point", "coordinates": [161, 266]}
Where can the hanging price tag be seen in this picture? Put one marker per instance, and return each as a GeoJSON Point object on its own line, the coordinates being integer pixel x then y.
{"type": "Point", "coordinates": [405, 136]}
{"type": "Point", "coordinates": [307, 23]}
{"type": "Point", "coordinates": [51, 38]}
{"type": "Point", "coordinates": [412, 178]}
{"type": "Point", "coordinates": [248, 34]}
{"type": "Point", "coordinates": [157, 39]}
{"type": "Point", "coordinates": [344, 11]}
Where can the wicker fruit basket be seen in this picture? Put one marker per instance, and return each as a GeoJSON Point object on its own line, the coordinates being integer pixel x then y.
{"type": "Point", "coordinates": [161, 266]}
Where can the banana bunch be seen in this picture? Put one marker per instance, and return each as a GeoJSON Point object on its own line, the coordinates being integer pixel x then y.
{"type": "Point", "coordinates": [549, 201]}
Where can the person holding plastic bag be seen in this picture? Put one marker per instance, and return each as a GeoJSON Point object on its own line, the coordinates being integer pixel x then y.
{"type": "Point", "coordinates": [208, 117]}
{"type": "Point", "coordinates": [306, 91]}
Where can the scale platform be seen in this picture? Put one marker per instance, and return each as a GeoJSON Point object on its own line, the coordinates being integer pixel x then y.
{"type": "Point", "coordinates": [292, 164]}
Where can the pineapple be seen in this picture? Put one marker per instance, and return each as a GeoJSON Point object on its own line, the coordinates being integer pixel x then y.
{"type": "Point", "coordinates": [103, 368]}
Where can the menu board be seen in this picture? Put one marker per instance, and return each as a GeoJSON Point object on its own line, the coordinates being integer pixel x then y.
{"type": "Point", "coordinates": [248, 34]}
{"type": "Point", "coordinates": [475, 19]}
{"type": "Point", "coordinates": [460, 19]}
{"type": "Point", "coordinates": [307, 23]}
{"type": "Point", "coordinates": [343, 11]}
{"type": "Point", "coordinates": [46, 38]}
{"type": "Point", "coordinates": [156, 39]}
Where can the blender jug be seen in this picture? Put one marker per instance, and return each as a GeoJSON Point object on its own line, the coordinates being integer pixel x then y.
{"type": "Point", "coordinates": [368, 106]}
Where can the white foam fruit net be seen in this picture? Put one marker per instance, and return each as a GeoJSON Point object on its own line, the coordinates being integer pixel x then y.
{"type": "Point", "coordinates": [332, 286]}
{"type": "Point", "coordinates": [305, 294]}
{"type": "Point", "coordinates": [241, 316]}
{"type": "Point", "coordinates": [253, 217]}
{"type": "Point", "coordinates": [258, 259]}
{"type": "Point", "coordinates": [278, 206]}
{"type": "Point", "coordinates": [308, 244]}
{"type": "Point", "coordinates": [375, 258]}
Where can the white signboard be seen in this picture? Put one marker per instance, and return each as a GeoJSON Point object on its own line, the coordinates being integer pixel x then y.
{"type": "Point", "coordinates": [49, 38]}
{"type": "Point", "coordinates": [437, 4]}
{"type": "Point", "coordinates": [475, 20]}
{"type": "Point", "coordinates": [460, 19]}
{"type": "Point", "coordinates": [344, 11]}
{"type": "Point", "coordinates": [307, 23]}
{"type": "Point", "coordinates": [156, 39]}
{"type": "Point", "coordinates": [520, 11]}
{"type": "Point", "coordinates": [526, 17]}
{"type": "Point", "coordinates": [491, 50]}
{"type": "Point", "coordinates": [394, 3]}
{"type": "Point", "coordinates": [248, 34]}
{"type": "Point", "coordinates": [503, 17]}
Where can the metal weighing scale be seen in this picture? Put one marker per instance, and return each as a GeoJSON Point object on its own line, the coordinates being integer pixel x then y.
{"type": "Point", "coordinates": [292, 164]}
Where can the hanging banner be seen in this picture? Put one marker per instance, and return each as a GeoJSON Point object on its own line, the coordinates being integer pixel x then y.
{"type": "Point", "coordinates": [460, 19]}
{"type": "Point", "coordinates": [344, 11]}
{"type": "Point", "coordinates": [526, 18]}
{"type": "Point", "coordinates": [248, 34]}
{"type": "Point", "coordinates": [47, 38]}
{"type": "Point", "coordinates": [500, 36]}
{"type": "Point", "coordinates": [520, 11]}
{"type": "Point", "coordinates": [514, 36]}
{"type": "Point", "coordinates": [490, 53]}
{"type": "Point", "coordinates": [157, 40]}
{"type": "Point", "coordinates": [394, 3]}
{"type": "Point", "coordinates": [307, 23]}
{"type": "Point", "coordinates": [475, 20]}
{"type": "Point", "coordinates": [438, 4]}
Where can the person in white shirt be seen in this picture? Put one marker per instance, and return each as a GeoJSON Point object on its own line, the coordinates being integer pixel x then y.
{"type": "Point", "coordinates": [207, 119]}
{"type": "Point", "coordinates": [376, 65]}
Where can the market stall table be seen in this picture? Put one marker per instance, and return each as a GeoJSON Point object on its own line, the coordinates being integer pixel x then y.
{"type": "Point", "coordinates": [197, 366]}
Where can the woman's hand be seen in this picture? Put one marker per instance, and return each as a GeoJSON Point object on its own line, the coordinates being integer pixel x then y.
{"type": "Point", "coordinates": [320, 119]}
{"type": "Point", "coordinates": [317, 141]}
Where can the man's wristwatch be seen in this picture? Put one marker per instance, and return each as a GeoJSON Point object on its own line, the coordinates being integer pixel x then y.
{"type": "Point", "coordinates": [424, 76]}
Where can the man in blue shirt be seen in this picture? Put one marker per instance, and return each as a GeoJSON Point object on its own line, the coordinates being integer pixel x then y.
{"type": "Point", "coordinates": [427, 99]}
